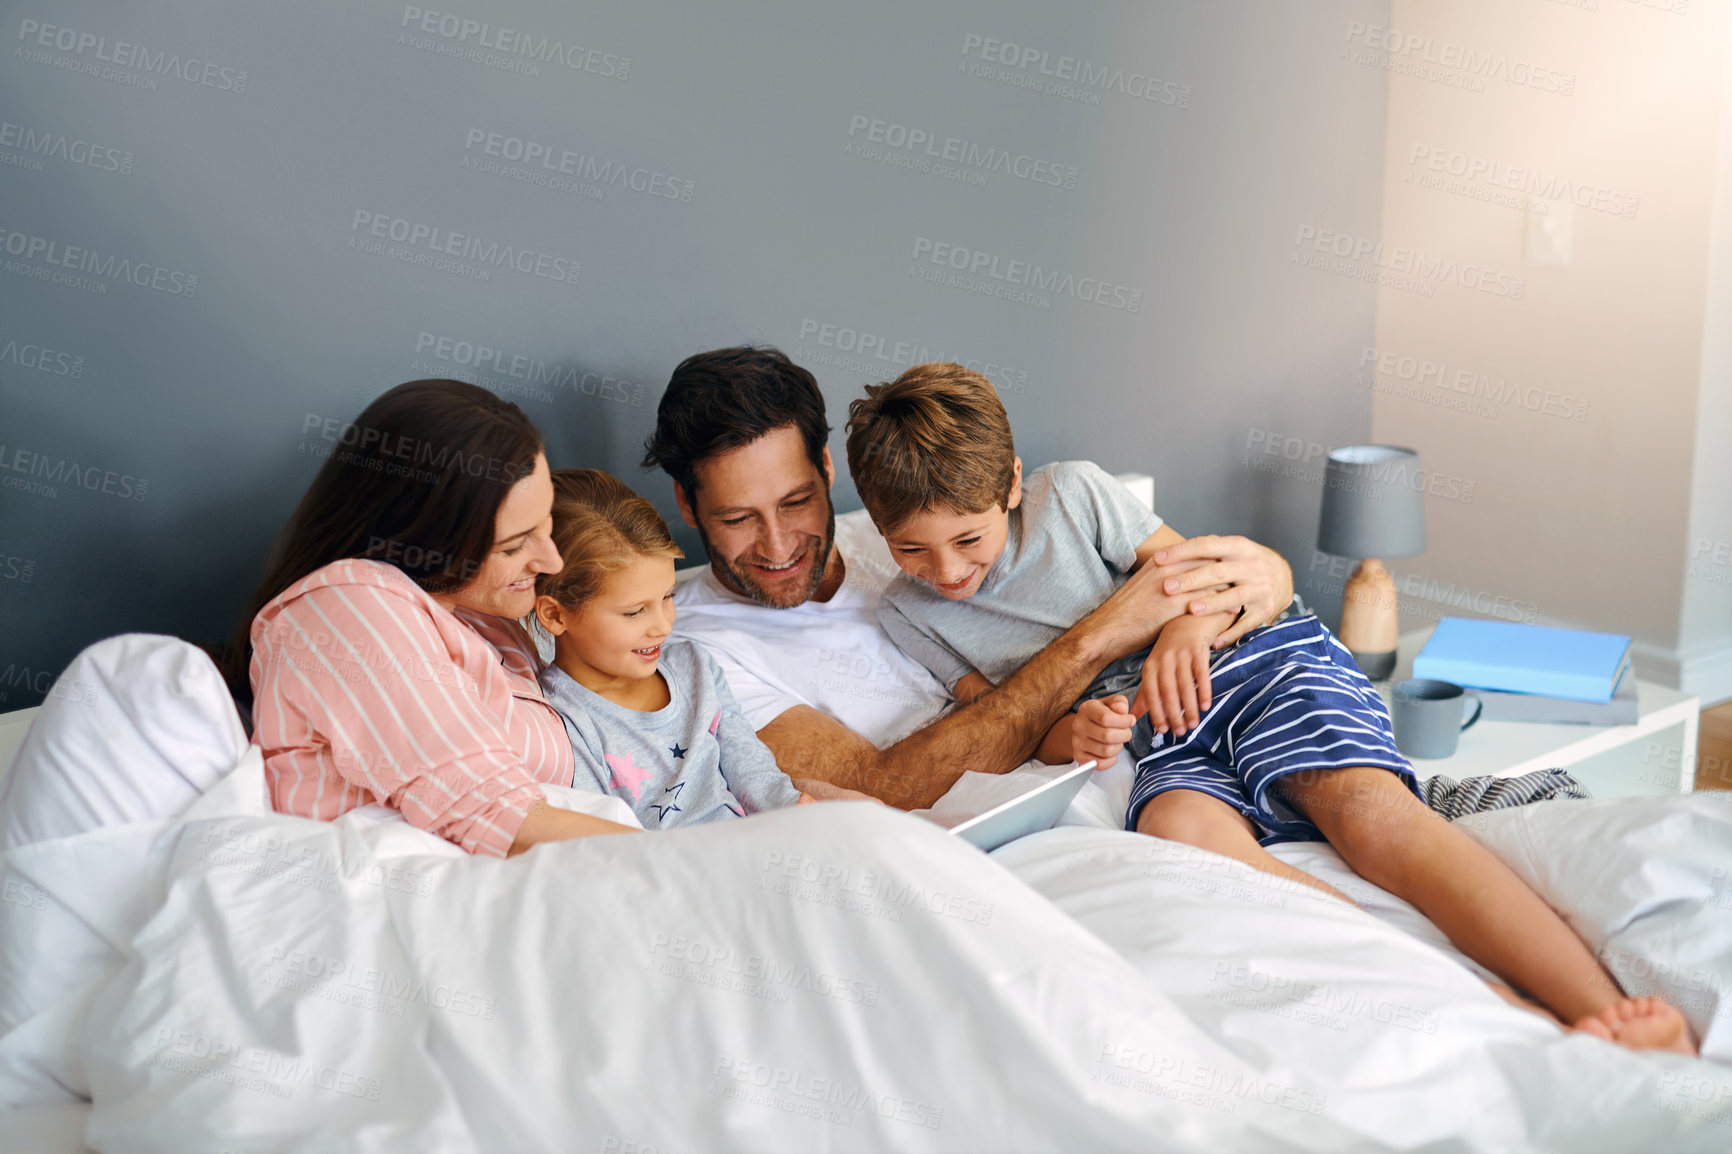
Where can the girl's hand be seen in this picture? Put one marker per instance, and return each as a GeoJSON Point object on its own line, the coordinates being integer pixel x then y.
{"type": "Point", "coordinates": [1175, 691]}
{"type": "Point", "coordinates": [811, 790]}
{"type": "Point", "coordinates": [1100, 730]}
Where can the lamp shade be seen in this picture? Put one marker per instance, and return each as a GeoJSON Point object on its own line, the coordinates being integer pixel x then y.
{"type": "Point", "coordinates": [1373, 503]}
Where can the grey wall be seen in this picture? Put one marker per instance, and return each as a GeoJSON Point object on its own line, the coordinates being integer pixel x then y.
{"type": "Point", "coordinates": [153, 451]}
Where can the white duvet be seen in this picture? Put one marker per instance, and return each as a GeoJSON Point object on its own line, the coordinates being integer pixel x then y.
{"type": "Point", "coordinates": [835, 977]}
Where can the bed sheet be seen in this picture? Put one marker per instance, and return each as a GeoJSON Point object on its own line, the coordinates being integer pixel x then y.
{"type": "Point", "coordinates": [1646, 882]}
{"type": "Point", "coordinates": [51, 1129]}
{"type": "Point", "coordinates": [833, 977]}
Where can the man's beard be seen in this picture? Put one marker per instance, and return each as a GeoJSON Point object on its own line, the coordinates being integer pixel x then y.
{"type": "Point", "coordinates": [743, 584]}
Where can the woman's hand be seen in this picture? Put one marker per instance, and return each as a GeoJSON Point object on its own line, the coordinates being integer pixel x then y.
{"type": "Point", "coordinates": [1255, 578]}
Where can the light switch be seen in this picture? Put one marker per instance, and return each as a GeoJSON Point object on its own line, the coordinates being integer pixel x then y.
{"type": "Point", "coordinates": [1549, 235]}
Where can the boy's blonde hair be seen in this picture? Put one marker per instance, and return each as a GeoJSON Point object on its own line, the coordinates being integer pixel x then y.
{"type": "Point", "coordinates": [599, 526]}
{"type": "Point", "coordinates": [936, 437]}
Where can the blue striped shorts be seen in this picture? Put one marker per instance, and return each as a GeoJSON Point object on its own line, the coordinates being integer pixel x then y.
{"type": "Point", "coordinates": [1287, 698]}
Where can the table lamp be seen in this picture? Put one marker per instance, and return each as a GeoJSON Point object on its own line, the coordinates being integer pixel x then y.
{"type": "Point", "coordinates": [1373, 507]}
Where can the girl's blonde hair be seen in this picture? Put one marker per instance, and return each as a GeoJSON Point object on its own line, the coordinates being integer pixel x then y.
{"type": "Point", "coordinates": [599, 526]}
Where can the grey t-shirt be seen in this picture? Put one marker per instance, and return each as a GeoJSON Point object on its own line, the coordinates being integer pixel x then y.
{"type": "Point", "coordinates": [694, 760]}
{"type": "Point", "coordinates": [1072, 543]}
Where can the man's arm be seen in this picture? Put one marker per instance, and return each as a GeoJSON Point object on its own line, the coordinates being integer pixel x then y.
{"type": "Point", "coordinates": [1057, 746]}
{"type": "Point", "coordinates": [996, 732]}
{"type": "Point", "coordinates": [1002, 728]}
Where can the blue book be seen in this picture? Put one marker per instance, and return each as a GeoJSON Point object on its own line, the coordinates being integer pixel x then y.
{"type": "Point", "coordinates": [1571, 663]}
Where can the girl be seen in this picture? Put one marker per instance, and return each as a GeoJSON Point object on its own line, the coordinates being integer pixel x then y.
{"type": "Point", "coordinates": [651, 721]}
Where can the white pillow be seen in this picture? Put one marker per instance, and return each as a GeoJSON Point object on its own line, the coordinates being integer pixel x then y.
{"type": "Point", "coordinates": [137, 728]}
{"type": "Point", "coordinates": [133, 733]}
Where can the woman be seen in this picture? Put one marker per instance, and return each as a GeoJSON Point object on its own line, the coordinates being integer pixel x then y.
{"type": "Point", "coordinates": [382, 651]}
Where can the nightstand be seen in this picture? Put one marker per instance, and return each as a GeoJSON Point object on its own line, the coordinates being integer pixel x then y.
{"type": "Point", "coordinates": [1657, 755]}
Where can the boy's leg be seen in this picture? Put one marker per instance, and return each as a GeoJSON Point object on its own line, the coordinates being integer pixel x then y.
{"type": "Point", "coordinates": [1314, 747]}
{"type": "Point", "coordinates": [1394, 841]}
{"type": "Point", "coordinates": [1196, 819]}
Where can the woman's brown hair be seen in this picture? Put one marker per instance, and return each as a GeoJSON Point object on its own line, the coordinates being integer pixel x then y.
{"type": "Point", "coordinates": [415, 481]}
{"type": "Point", "coordinates": [599, 527]}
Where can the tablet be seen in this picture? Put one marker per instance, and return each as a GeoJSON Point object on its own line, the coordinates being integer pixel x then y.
{"type": "Point", "coordinates": [1026, 813]}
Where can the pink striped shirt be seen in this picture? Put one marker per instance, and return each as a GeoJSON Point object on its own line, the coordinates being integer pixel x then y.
{"type": "Point", "coordinates": [366, 690]}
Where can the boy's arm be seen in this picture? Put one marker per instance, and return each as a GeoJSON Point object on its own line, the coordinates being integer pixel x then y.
{"type": "Point", "coordinates": [1058, 746]}
{"type": "Point", "coordinates": [1165, 537]}
{"type": "Point", "coordinates": [1055, 747]}
{"type": "Point", "coordinates": [1175, 688]}
{"type": "Point", "coordinates": [971, 688]}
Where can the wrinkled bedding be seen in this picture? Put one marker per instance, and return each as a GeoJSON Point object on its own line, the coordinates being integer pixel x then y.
{"type": "Point", "coordinates": [836, 977]}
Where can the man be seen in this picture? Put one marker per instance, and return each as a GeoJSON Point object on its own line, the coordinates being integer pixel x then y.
{"type": "Point", "coordinates": [789, 602]}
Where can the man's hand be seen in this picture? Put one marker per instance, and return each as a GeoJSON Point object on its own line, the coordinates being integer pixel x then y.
{"type": "Point", "coordinates": [1175, 692]}
{"type": "Point", "coordinates": [811, 790]}
{"type": "Point", "coordinates": [1101, 728]}
{"type": "Point", "coordinates": [1260, 582]}
{"type": "Point", "coordinates": [1128, 620]}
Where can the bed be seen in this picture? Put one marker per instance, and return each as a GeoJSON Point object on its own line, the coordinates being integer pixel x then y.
{"type": "Point", "coordinates": [835, 977]}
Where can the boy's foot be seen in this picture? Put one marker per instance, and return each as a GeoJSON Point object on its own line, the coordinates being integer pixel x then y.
{"type": "Point", "coordinates": [1642, 1024]}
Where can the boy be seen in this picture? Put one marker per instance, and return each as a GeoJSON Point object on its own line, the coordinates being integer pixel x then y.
{"type": "Point", "coordinates": [1276, 738]}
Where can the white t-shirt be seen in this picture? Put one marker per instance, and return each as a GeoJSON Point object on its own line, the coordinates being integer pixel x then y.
{"type": "Point", "coordinates": [831, 655]}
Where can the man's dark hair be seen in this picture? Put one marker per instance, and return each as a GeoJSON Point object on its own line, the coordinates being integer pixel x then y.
{"type": "Point", "coordinates": [719, 401]}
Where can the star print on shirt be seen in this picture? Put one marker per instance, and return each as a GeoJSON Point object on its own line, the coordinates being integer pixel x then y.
{"type": "Point", "coordinates": [626, 775]}
{"type": "Point", "coordinates": [664, 809]}
{"type": "Point", "coordinates": [678, 750]}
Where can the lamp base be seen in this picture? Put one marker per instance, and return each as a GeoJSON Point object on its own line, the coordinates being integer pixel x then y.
{"type": "Point", "coordinates": [1370, 623]}
{"type": "Point", "coordinates": [1376, 666]}
{"type": "Point", "coordinates": [1369, 619]}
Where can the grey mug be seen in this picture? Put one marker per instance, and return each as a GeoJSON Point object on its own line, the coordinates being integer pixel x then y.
{"type": "Point", "coordinates": [1428, 716]}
